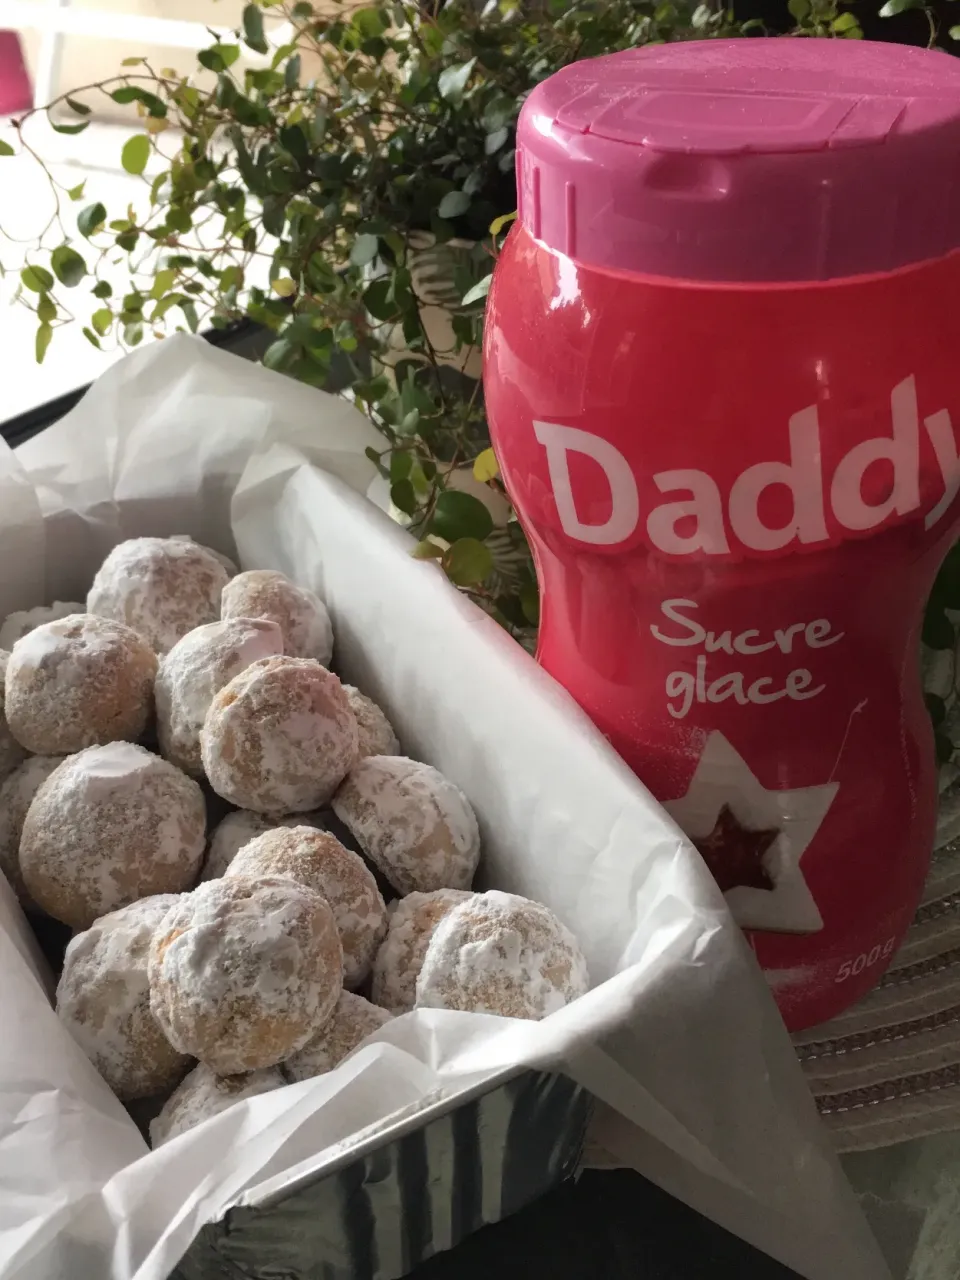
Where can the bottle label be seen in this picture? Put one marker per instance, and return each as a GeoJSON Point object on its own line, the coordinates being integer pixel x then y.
{"type": "Point", "coordinates": [706, 683]}
{"type": "Point", "coordinates": [697, 518]}
{"type": "Point", "coordinates": [754, 838]}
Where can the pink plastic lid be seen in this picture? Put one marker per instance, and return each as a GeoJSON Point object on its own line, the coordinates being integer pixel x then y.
{"type": "Point", "coordinates": [746, 160]}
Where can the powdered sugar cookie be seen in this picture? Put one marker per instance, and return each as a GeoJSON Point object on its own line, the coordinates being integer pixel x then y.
{"type": "Point", "coordinates": [16, 795]}
{"type": "Point", "coordinates": [279, 737]}
{"type": "Point", "coordinates": [202, 1095]}
{"type": "Point", "coordinates": [110, 825]}
{"type": "Point", "coordinates": [103, 999]}
{"type": "Point", "coordinates": [161, 587]}
{"type": "Point", "coordinates": [11, 752]}
{"type": "Point", "coordinates": [244, 974]}
{"type": "Point", "coordinates": [196, 668]}
{"type": "Point", "coordinates": [78, 681]}
{"type": "Point", "coordinates": [239, 828]}
{"type": "Point", "coordinates": [300, 615]}
{"type": "Point", "coordinates": [318, 860]}
{"type": "Point", "coordinates": [411, 922]}
{"type": "Point", "coordinates": [353, 1020]}
{"type": "Point", "coordinates": [411, 822]}
{"type": "Point", "coordinates": [377, 737]}
{"type": "Point", "coordinates": [499, 953]}
{"type": "Point", "coordinates": [230, 565]}
{"type": "Point", "coordinates": [17, 625]}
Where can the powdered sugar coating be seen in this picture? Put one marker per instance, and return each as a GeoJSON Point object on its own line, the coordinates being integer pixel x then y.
{"type": "Point", "coordinates": [412, 822]}
{"type": "Point", "coordinates": [239, 828]}
{"type": "Point", "coordinates": [195, 669]}
{"type": "Point", "coordinates": [230, 565]}
{"type": "Point", "coordinates": [244, 973]}
{"type": "Point", "coordinates": [300, 614]}
{"type": "Point", "coordinates": [500, 953]}
{"type": "Point", "coordinates": [76, 682]}
{"type": "Point", "coordinates": [11, 752]}
{"type": "Point", "coordinates": [17, 625]}
{"type": "Point", "coordinates": [353, 1020]}
{"type": "Point", "coordinates": [161, 587]}
{"type": "Point", "coordinates": [110, 825]}
{"type": "Point", "coordinates": [377, 737]}
{"type": "Point", "coordinates": [318, 860]}
{"type": "Point", "coordinates": [103, 999]}
{"type": "Point", "coordinates": [280, 737]}
{"type": "Point", "coordinates": [411, 922]}
{"type": "Point", "coordinates": [202, 1095]}
{"type": "Point", "coordinates": [16, 796]}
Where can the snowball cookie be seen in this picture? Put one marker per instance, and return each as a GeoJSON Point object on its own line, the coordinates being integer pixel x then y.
{"type": "Point", "coordinates": [318, 860]}
{"type": "Point", "coordinates": [162, 587]}
{"type": "Point", "coordinates": [11, 752]}
{"type": "Point", "coordinates": [377, 737]}
{"type": "Point", "coordinates": [76, 682]}
{"type": "Point", "coordinates": [280, 737]}
{"type": "Point", "coordinates": [16, 625]}
{"type": "Point", "coordinates": [103, 999]}
{"type": "Point", "coordinates": [16, 795]}
{"type": "Point", "coordinates": [227, 563]}
{"type": "Point", "coordinates": [300, 615]}
{"type": "Point", "coordinates": [411, 822]}
{"type": "Point", "coordinates": [499, 953]}
{"type": "Point", "coordinates": [196, 668]}
{"type": "Point", "coordinates": [411, 922]}
{"type": "Point", "coordinates": [353, 1020]}
{"type": "Point", "coordinates": [239, 828]}
{"type": "Point", "coordinates": [245, 973]}
{"type": "Point", "coordinates": [202, 1094]}
{"type": "Point", "coordinates": [110, 825]}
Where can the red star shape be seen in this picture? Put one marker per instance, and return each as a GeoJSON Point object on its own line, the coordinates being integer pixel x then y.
{"type": "Point", "coordinates": [734, 853]}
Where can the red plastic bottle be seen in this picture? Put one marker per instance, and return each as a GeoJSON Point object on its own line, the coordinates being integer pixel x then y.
{"type": "Point", "coordinates": [723, 384]}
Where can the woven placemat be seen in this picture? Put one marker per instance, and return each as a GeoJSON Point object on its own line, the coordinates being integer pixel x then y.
{"type": "Point", "coordinates": [889, 1068]}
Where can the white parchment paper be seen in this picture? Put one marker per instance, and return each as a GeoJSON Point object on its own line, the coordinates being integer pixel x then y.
{"type": "Point", "coordinates": [678, 1040]}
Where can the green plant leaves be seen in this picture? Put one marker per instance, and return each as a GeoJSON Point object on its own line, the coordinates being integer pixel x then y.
{"type": "Point", "coordinates": [485, 466]}
{"type": "Point", "coordinates": [80, 108]}
{"type": "Point", "coordinates": [253, 28]}
{"type": "Point", "coordinates": [101, 320]}
{"type": "Point", "coordinates": [454, 80]}
{"type": "Point", "coordinates": [42, 341]}
{"type": "Point", "coordinates": [135, 153]}
{"type": "Point", "coordinates": [127, 93]}
{"type": "Point", "coordinates": [460, 515]}
{"type": "Point", "coordinates": [365, 249]}
{"type": "Point", "coordinates": [468, 562]}
{"type": "Point", "coordinates": [36, 279]}
{"type": "Point", "coordinates": [68, 266]}
{"type": "Point", "coordinates": [479, 291]}
{"type": "Point", "coordinates": [6, 149]}
{"type": "Point", "coordinates": [427, 550]}
{"type": "Point", "coordinates": [91, 219]}
{"type": "Point", "coordinates": [494, 141]}
{"type": "Point", "coordinates": [893, 7]}
{"type": "Point", "coordinates": [404, 497]}
{"type": "Point", "coordinates": [46, 309]}
{"type": "Point", "coordinates": [497, 225]}
{"type": "Point", "coordinates": [453, 204]}
{"type": "Point", "coordinates": [219, 56]}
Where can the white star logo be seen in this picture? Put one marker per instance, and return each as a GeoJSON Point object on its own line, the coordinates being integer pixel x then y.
{"type": "Point", "coordinates": [723, 780]}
